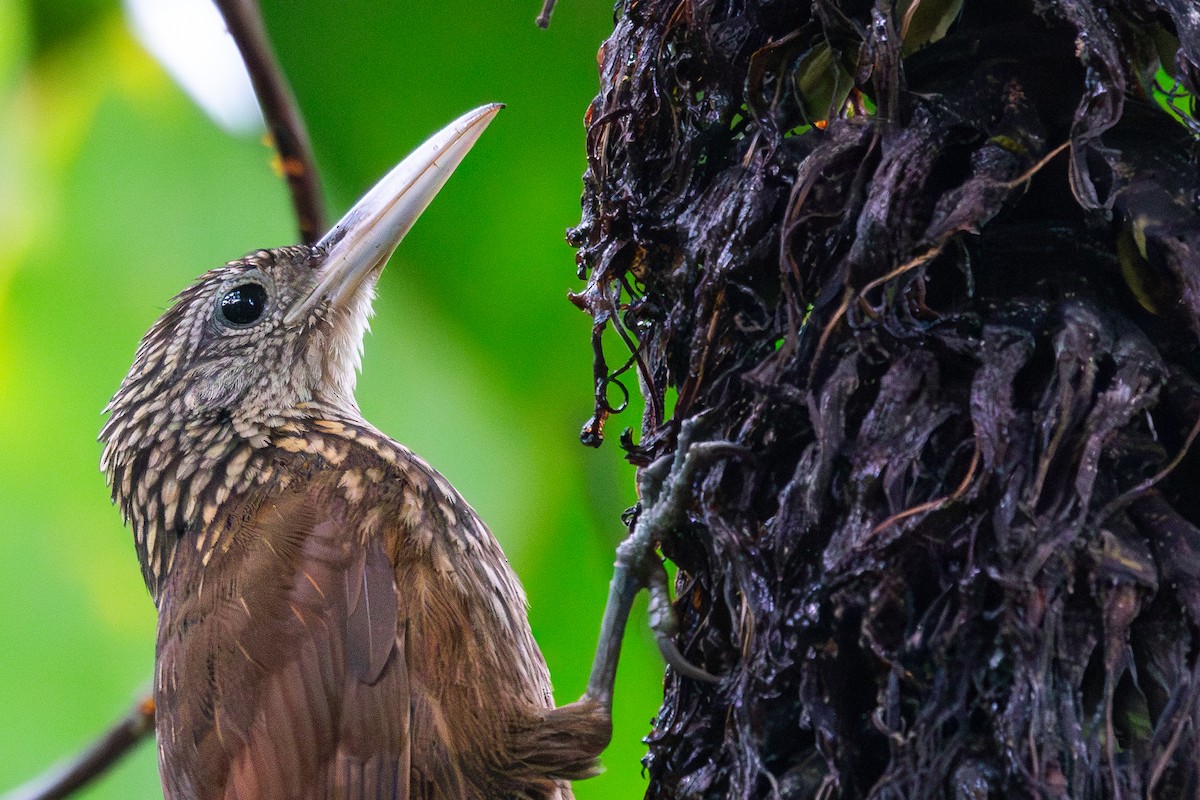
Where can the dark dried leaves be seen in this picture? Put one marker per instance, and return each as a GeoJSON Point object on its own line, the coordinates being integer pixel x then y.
{"type": "Point", "coordinates": [949, 296]}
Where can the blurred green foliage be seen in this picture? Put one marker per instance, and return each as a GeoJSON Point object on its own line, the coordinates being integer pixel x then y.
{"type": "Point", "coordinates": [115, 191]}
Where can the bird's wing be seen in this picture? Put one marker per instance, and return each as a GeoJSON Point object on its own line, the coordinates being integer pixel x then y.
{"type": "Point", "coordinates": [282, 670]}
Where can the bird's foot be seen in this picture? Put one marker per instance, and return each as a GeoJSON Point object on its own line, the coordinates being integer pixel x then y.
{"type": "Point", "coordinates": [664, 622]}
{"type": "Point", "coordinates": [666, 488]}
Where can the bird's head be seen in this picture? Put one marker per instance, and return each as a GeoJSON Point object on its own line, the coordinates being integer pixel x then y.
{"type": "Point", "coordinates": [264, 337]}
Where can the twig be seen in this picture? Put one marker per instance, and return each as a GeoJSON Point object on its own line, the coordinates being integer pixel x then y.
{"type": "Point", "coordinates": [1120, 501]}
{"type": "Point", "coordinates": [934, 504]}
{"type": "Point", "coordinates": [281, 113]}
{"type": "Point", "coordinates": [62, 780]}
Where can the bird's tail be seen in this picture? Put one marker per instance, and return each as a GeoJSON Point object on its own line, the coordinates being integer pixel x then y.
{"type": "Point", "coordinates": [560, 744]}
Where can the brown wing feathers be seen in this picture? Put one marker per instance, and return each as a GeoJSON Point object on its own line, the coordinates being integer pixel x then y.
{"type": "Point", "coordinates": [346, 664]}
{"type": "Point", "coordinates": [285, 671]}
{"type": "Point", "coordinates": [371, 624]}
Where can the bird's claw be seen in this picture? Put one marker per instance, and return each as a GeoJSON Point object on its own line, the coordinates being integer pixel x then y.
{"type": "Point", "coordinates": [678, 469]}
{"type": "Point", "coordinates": [665, 488]}
{"type": "Point", "coordinates": [665, 624]}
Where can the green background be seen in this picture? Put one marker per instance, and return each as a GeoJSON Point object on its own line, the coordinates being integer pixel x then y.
{"type": "Point", "coordinates": [115, 191]}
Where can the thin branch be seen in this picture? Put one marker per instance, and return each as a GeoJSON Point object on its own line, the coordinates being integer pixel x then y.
{"type": "Point", "coordinates": [281, 113]}
{"type": "Point", "coordinates": [543, 19]}
{"type": "Point", "coordinates": [64, 779]}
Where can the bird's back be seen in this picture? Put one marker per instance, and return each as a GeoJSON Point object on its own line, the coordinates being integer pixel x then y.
{"type": "Point", "coordinates": [347, 627]}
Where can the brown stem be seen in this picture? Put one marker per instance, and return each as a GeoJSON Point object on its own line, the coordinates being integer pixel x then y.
{"type": "Point", "coordinates": [281, 113]}
{"type": "Point", "coordinates": [543, 19]}
{"type": "Point", "coordinates": [118, 740]}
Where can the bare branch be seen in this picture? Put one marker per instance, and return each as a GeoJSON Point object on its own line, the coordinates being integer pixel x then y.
{"type": "Point", "coordinates": [281, 113]}
{"type": "Point", "coordinates": [64, 779]}
{"type": "Point", "coordinates": [543, 19]}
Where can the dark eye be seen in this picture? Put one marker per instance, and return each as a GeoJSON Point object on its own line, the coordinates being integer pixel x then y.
{"type": "Point", "coordinates": [243, 305]}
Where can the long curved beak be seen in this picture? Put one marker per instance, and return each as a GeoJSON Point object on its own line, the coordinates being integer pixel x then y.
{"type": "Point", "coordinates": [364, 239]}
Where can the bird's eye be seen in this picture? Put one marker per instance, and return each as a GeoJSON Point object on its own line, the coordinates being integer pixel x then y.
{"type": "Point", "coordinates": [243, 305]}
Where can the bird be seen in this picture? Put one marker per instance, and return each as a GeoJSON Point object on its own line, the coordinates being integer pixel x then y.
{"type": "Point", "coordinates": [334, 620]}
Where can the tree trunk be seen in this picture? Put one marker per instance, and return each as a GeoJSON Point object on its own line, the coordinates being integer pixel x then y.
{"type": "Point", "coordinates": [937, 266]}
